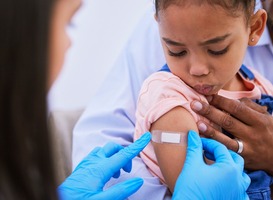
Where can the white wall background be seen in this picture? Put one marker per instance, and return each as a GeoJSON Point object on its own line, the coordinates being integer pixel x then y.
{"type": "Point", "coordinates": [98, 32]}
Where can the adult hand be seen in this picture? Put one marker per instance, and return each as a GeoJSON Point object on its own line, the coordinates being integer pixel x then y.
{"type": "Point", "coordinates": [224, 179]}
{"type": "Point", "coordinates": [246, 121]}
{"type": "Point", "coordinates": [89, 177]}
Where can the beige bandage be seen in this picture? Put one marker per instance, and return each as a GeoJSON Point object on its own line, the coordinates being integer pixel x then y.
{"type": "Point", "coordinates": [170, 137]}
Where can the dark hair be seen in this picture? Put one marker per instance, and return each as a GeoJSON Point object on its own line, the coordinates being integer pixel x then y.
{"type": "Point", "coordinates": [232, 6]}
{"type": "Point", "coordinates": [26, 166]}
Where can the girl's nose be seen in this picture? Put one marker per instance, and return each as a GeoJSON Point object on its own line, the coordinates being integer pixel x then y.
{"type": "Point", "coordinates": [199, 68]}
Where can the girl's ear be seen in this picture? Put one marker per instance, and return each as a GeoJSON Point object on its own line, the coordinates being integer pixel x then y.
{"type": "Point", "coordinates": [257, 26]}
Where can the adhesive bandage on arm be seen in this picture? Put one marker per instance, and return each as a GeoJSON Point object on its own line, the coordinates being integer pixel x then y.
{"type": "Point", "coordinates": [170, 137]}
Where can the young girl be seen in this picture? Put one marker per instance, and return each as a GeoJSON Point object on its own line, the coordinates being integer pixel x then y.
{"type": "Point", "coordinates": [204, 43]}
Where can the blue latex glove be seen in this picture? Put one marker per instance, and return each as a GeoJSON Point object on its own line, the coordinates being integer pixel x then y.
{"type": "Point", "coordinates": [89, 177]}
{"type": "Point", "coordinates": [224, 179]}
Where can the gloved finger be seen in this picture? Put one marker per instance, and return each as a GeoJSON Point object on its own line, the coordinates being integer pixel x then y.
{"type": "Point", "coordinates": [126, 154]}
{"type": "Point", "coordinates": [120, 191]}
{"type": "Point", "coordinates": [194, 148]}
{"type": "Point", "coordinates": [117, 174]}
{"type": "Point", "coordinates": [220, 152]}
{"type": "Point", "coordinates": [111, 148]}
{"type": "Point", "coordinates": [93, 154]}
{"type": "Point", "coordinates": [237, 159]}
{"type": "Point", "coordinates": [95, 150]}
{"type": "Point", "coordinates": [128, 167]}
{"type": "Point", "coordinates": [247, 180]}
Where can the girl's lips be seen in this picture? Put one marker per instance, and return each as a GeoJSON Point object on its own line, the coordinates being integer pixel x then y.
{"type": "Point", "coordinates": [203, 89]}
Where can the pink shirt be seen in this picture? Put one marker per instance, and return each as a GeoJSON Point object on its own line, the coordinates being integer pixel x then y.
{"type": "Point", "coordinates": [163, 91]}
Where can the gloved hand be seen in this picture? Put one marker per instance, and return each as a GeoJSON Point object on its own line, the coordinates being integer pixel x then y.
{"type": "Point", "coordinates": [224, 179]}
{"type": "Point", "coordinates": [89, 177]}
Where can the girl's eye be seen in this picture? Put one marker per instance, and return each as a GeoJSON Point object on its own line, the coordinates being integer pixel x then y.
{"type": "Point", "coordinates": [218, 53]}
{"type": "Point", "coordinates": [182, 53]}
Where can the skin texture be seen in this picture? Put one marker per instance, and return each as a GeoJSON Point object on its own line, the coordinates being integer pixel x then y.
{"type": "Point", "coordinates": [257, 147]}
{"type": "Point", "coordinates": [247, 121]}
{"type": "Point", "coordinates": [195, 54]}
{"type": "Point", "coordinates": [205, 66]}
{"type": "Point", "coordinates": [171, 158]}
{"type": "Point", "coordinates": [59, 40]}
{"type": "Point", "coordinates": [257, 151]}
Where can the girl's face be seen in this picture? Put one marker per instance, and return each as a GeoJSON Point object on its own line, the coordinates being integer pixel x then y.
{"type": "Point", "coordinates": [203, 45]}
{"type": "Point", "coordinates": [63, 11]}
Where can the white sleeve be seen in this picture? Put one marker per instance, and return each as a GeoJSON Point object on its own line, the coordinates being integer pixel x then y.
{"type": "Point", "coordinates": [110, 116]}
